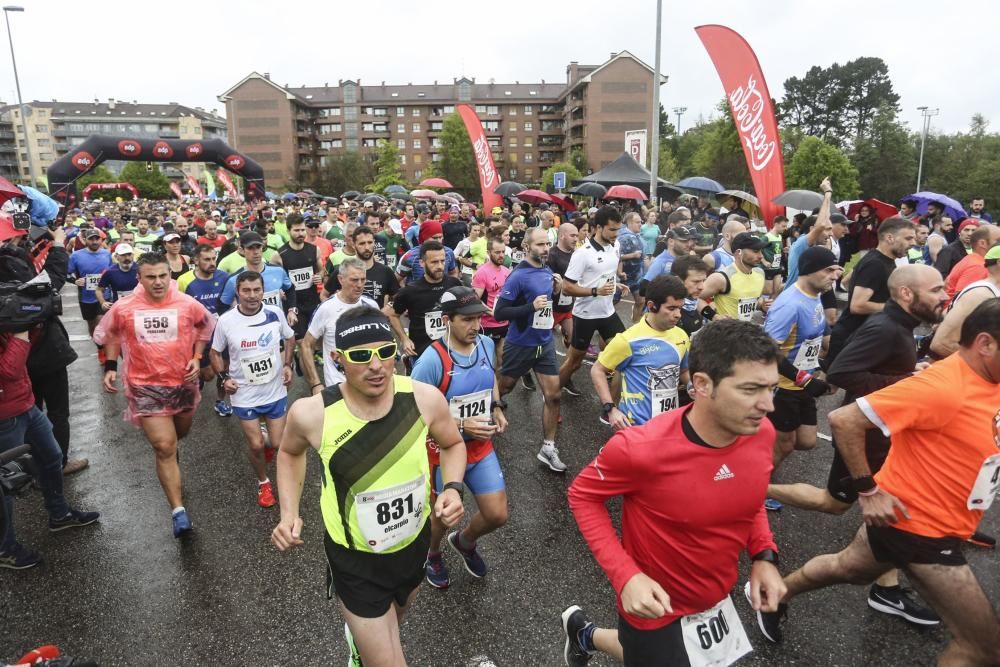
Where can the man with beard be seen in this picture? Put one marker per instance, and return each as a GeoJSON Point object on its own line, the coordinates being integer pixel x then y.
{"type": "Point", "coordinates": [737, 288]}
{"type": "Point", "coordinates": [955, 252]}
{"type": "Point", "coordinates": [487, 282]}
{"type": "Point", "coordinates": [418, 300]}
{"type": "Point", "coordinates": [938, 238]}
{"type": "Point", "coordinates": [120, 278]}
{"type": "Point", "coordinates": [85, 268]}
{"type": "Point", "coordinates": [380, 281]}
{"type": "Point", "coordinates": [301, 261]}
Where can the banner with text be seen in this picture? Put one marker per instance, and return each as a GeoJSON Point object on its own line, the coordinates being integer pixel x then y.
{"type": "Point", "coordinates": [176, 189]}
{"type": "Point", "coordinates": [635, 145]}
{"type": "Point", "coordinates": [489, 178]}
{"type": "Point", "coordinates": [753, 112]}
{"type": "Point", "coordinates": [227, 183]}
{"type": "Point", "coordinates": [195, 187]}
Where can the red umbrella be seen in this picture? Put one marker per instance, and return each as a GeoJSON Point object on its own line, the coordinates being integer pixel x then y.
{"type": "Point", "coordinates": [535, 197]}
{"type": "Point", "coordinates": [8, 190]}
{"type": "Point", "coordinates": [882, 210]}
{"type": "Point", "coordinates": [424, 194]}
{"type": "Point", "coordinates": [625, 192]}
{"type": "Point", "coordinates": [564, 202]}
{"type": "Point", "coordinates": [436, 183]}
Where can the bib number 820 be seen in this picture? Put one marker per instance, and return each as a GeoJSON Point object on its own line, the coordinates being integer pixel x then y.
{"type": "Point", "coordinates": [714, 631]}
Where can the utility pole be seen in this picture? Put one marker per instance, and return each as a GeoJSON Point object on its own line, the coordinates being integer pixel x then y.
{"type": "Point", "coordinates": [927, 113]}
{"type": "Point", "coordinates": [680, 112]}
{"type": "Point", "coordinates": [654, 127]}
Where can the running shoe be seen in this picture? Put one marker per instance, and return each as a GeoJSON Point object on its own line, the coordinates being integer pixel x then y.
{"type": "Point", "coordinates": [604, 419]}
{"type": "Point", "coordinates": [182, 523]}
{"type": "Point", "coordinates": [769, 622]}
{"type": "Point", "coordinates": [983, 540]}
{"type": "Point", "coordinates": [265, 495]}
{"type": "Point", "coordinates": [436, 571]}
{"type": "Point", "coordinates": [898, 601]}
{"type": "Point", "coordinates": [74, 466]}
{"type": "Point", "coordinates": [772, 505]}
{"type": "Point", "coordinates": [354, 660]}
{"type": "Point", "coordinates": [528, 382]}
{"type": "Point", "coordinates": [575, 621]}
{"type": "Point", "coordinates": [74, 519]}
{"type": "Point", "coordinates": [265, 434]}
{"type": "Point", "coordinates": [549, 455]}
{"type": "Point", "coordinates": [19, 558]}
{"type": "Point", "coordinates": [474, 563]}
{"type": "Point", "coordinates": [571, 389]}
{"type": "Point", "coordinates": [223, 409]}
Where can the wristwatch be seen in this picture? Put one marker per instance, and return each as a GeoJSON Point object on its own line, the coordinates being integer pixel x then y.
{"type": "Point", "coordinates": [769, 555]}
{"type": "Point", "coordinates": [593, 291]}
{"type": "Point", "coordinates": [458, 486]}
{"type": "Point", "coordinates": [607, 407]}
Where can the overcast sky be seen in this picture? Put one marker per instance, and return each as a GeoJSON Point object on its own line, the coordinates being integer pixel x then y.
{"type": "Point", "coordinates": [939, 53]}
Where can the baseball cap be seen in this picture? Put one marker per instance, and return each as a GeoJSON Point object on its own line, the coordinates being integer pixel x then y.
{"type": "Point", "coordinates": [497, 210]}
{"type": "Point", "coordinates": [171, 237]}
{"type": "Point", "coordinates": [280, 210]}
{"type": "Point", "coordinates": [396, 226]}
{"type": "Point", "coordinates": [968, 221]}
{"type": "Point", "coordinates": [681, 233]}
{"type": "Point", "coordinates": [993, 255]}
{"type": "Point", "coordinates": [815, 258]}
{"type": "Point", "coordinates": [248, 239]}
{"type": "Point", "coordinates": [462, 301]}
{"type": "Point", "coordinates": [592, 210]}
{"type": "Point", "coordinates": [747, 241]}
{"type": "Point", "coordinates": [839, 219]}
{"type": "Point", "coordinates": [123, 249]}
{"type": "Point", "coordinates": [94, 232]}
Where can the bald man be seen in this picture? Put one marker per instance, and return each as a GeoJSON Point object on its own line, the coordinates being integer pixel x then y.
{"type": "Point", "coordinates": [946, 336]}
{"type": "Point", "coordinates": [562, 311]}
{"type": "Point", "coordinates": [881, 353]}
{"type": "Point", "coordinates": [723, 255]}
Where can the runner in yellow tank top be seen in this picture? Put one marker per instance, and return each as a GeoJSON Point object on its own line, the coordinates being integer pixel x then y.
{"type": "Point", "coordinates": [737, 288]}
{"type": "Point", "coordinates": [370, 432]}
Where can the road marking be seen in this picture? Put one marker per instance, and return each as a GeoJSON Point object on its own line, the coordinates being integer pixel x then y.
{"type": "Point", "coordinates": [79, 338]}
{"type": "Point", "coordinates": [824, 436]}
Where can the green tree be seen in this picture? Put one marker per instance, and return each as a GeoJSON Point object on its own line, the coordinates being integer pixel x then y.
{"type": "Point", "coordinates": [963, 165]}
{"type": "Point", "coordinates": [886, 159]}
{"type": "Point", "coordinates": [667, 167]}
{"type": "Point", "coordinates": [572, 174]}
{"type": "Point", "coordinates": [458, 161]}
{"type": "Point", "coordinates": [152, 184]}
{"type": "Point", "coordinates": [713, 149]}
{"type": "Point", "coordinates": [815, 160]}
{"type": "Point", "coordinates": [99, 174]}
{"type": "Point", "coordinates": [387, 170]}
{"type": "Point", "coordinates": [343, 171]}
{"type": "Point", "coordinates": [578, 158]}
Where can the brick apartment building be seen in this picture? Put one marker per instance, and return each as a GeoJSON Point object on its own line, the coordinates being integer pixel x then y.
{"type": "Point", "coordinates": [290, 131]}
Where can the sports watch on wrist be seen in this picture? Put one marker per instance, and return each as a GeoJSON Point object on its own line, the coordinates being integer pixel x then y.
{"type": "Point", "coordinates": [769, 555]}
{"type": "Point", "coordinates": [607, 407]}
{"type": "Point", "coordinates": [458, 486]}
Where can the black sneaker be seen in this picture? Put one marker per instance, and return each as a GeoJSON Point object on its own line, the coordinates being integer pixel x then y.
{"type": "Point", "coordinates": [898, 601]}
{"type": "Point", "coordinates": [19, 558]}
{"type": "Point", "coordinates": [769, 622]}
{"type": "Point", "coordinates": [983, 540]}
{"type": "Point", "coordinates": [528, 382]}
{"type": "Point", "coordinates": [75, 519]}
{"type": "Point", "coordinates": [574, 620]}
{"type": "Point", "coordinates": [571, 389]}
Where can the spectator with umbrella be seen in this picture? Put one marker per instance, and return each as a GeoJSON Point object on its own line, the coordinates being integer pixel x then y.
{"type": "Point", "coordinates": [954, 252]}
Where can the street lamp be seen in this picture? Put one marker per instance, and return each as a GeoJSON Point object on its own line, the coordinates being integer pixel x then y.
{"type": "Point", "coordinates": [927, 113]}
{"type": "Point", "coordinates": [680, 112]}
{"type": "Point", "coordinates": [20, 102]}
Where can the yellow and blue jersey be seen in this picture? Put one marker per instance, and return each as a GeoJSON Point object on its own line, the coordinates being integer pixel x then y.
{"type": "Point", "coordinates": [796, 322]}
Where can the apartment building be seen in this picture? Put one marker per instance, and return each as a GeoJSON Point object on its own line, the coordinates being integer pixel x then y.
{"type": "Point", "coordinates": [8, 152]}
{"type": "Point", "coordinates": [55, 128]}
{"type": "Point", "coordinates": [291, 131]}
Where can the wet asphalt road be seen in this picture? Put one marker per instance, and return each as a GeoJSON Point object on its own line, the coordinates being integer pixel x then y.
{"type": "Point", "coordinates": [126, 592]}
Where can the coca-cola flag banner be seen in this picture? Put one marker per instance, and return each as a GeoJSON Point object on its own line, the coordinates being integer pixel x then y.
{"type": "Point", "coordinates": [752, 111]}
{"type": "Point", "coordinates": [227, 183]}
{"type": "Point", "coordinates": [176, 189]}
{"type": "Point", "coordinates": [195, 186]}
{"type": "Point", "coordinates": [489, 178]}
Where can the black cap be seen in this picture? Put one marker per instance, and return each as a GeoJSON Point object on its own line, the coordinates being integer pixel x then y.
{"type": "Point", "coordinates": [839, 219]}
{"type": "Point", "coordinates": [747, 241]}
{"type": "Point", "coordinates": [463, 301]}
{"type": "Point", "coordinates": [681, 233]}
{"type": "Point", "coordinates": [92, 233]}
{"type": "Point", "coordinates": [815, 258]}
{"type": "Point", "coordinates": [248, 239]}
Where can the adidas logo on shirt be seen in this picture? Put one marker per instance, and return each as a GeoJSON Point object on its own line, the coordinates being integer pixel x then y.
{"type": "Point", "coordinates": [724, 473]}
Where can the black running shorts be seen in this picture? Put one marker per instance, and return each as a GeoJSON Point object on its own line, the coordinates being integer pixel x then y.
{"type": "Point", "coordinates": [839, 483]}
{"type": "Point", "coordinates": [663, 647]}
{"type": "Point", "coordinates": [584, 330]}
{"type": "Point", "coordinates": [792, 409]}
{"type": "Point", "coordinates": [891, 545]}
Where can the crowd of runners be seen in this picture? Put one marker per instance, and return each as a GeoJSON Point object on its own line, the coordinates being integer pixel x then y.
{"type": "Point", "coordinates": [408, 323]}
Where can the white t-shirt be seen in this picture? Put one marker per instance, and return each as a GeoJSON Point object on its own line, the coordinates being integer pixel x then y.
{"type": "Point", "coordinates": [254, 344]}
{"type": "Point", "coordinates": [324, 327]}
{"type": "Point", "coordinates": [592, 265]}
{"type": "Point", "coordinates": [462, 250]}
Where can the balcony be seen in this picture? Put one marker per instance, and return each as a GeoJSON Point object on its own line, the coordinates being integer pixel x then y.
{"type": "Point", "coordinates": [6, 134]}
{"type": "Point", "coordinates": [168, 134]}
{"type": "Point", "coordinates": [551, 112]}
{"type": "Point", "coordinates": [59, 132]}
{"type": "Point", "coordinates": [8, 163]}
{"type": "Point", "coordinates": [61, 146]}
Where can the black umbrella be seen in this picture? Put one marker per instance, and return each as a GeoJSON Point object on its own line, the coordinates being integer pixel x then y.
{"type": "Point", "coordinates": [396, 189]}
{"type": "Point", "coordinates": [331, 200]}
{"type": "Point", "coordinates": [509, 189]}
{"type": "Point", "coordinates": [351, 194]}
{"type": "Point", "coordinates": [595, 190]}
{"type": "Point", "coordinates": [374, 198]}
{"type": "Point", "coordinates": [400, 196]}
{"type": "Point", "coordinates": [454, 195]}
{"type": "Point", "coordinates": [802, 200]}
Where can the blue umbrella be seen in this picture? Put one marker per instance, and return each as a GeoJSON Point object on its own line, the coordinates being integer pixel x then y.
{"type": "Point", "coordinates": [289, 196]}
{"type": "Point", "coordinates": [44, 209]}
{"type": "Point", "coordinates": [701, 184]}
{"type": "Point", "coordinates": [952, 208]}
{"type": "Point", "coordinates": [270, 195]}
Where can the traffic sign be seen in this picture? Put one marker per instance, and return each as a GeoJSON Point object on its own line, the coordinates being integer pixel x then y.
{"type": "Point", "coordinates": [559, 180]}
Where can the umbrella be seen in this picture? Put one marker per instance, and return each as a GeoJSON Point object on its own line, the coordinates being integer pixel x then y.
{"type": "Point", "coordinates": [395, 189]}
{"type": "Point", "coordinates": [952, 208]}
{"type": "Point", "coordinates": [425, 194]}
{"type": "Point", "coordinates": [625, 192]}
{"type": "Point", "coordinates": [564, 202]}
{"type": "Point", "coordinates": [534, 197]}
{"type": "Point", "coordinates": [802, 200]}
{"type": "Point", "coordinates": [44, 208]}
{"type": "Point", "coordinates": [455, 195]}
{"type": "Point", "coordinates": [701, 184]}
{"type": "Point", "coordinates": [882, 210]}
{"type": "Point", "coordinates": [303, 195]}
{"type": "Point", "coordinates": [289, 196]}
{"type": "Point", "coordinates": [509, 189]}
{"type": "Point", "coordinates": [331, 200]}
{"type": "Point", "coordinates": [436, 183]}
{"type": "Point", "coordinates": [595, 190]}
{"type": "Point", "coordinates": [351, 195]}
{"type": "Point", "coordinates": [374, 198]}
{"type": "Point", "coordinates": [400, 196]}
{"type": "Point", "coordinates": [667, 190]}
{"type": "Point", "coordinates": [737, 194]}
{"type": "Point", "coordinates": [270, 195]}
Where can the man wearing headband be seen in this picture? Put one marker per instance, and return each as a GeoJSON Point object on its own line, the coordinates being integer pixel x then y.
{"type": "Point", "coordinates": [370, 432]}
{"type": "Point", "coordinates": [461, 366]}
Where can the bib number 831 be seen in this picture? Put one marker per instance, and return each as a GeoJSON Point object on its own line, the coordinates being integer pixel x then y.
{"type": "Point", "coordinates": [713, 631]}
{"type": "Point", "coordinates": [394, 510]}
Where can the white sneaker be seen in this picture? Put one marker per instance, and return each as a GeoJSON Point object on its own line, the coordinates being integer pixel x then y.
{"type": "Point", "coordinates": [549, 455]}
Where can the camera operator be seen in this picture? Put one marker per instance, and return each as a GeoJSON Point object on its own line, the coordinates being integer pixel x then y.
{"type": "Point", "coordinates": [51, 352]}
{"type": "Point", "coordinates": [21, 422]}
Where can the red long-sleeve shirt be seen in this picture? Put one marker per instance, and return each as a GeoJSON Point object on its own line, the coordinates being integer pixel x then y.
{"type": "Point", "coordinates": [15, 386]}
{"type": "Point", "coordinates": [688, 511]}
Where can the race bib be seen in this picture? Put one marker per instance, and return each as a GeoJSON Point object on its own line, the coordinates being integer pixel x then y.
{"type": "Point", "coordinates": [467, 406]}
{"type": "Point", "coordinates": [664, 400]}
{"type": "Point", "coordinates": [434, 324]}
{"type": "Point", "coordinates": [807, 357]}
{"type": "Point", "coordinates": [390, 261]}
{"type": "Point", "coordinates": [542, 319]}
{"type": "Point", "coordinates": [389, 516]}
{"type": "Point", "coordinates": [272, 298]}
{"type": "Point", "coordinates": [565, 299]}
{"type": "Point", "coordinates": [468, 270]}
{"type": "Point", "coordinates": [987, 485]}
{"type": "Point", "coordinates": [260, 368]}
{"type": "Point", "coordinates": [90, 281]}
{"type": "Point", "coordinates": [155, 326]}
{"type": "Point", "coordinates": [517, 256]}
{"type": "Point", "coordinates": [746, 307]}
{"type": "Point", "coordinates": [142, 249]}
{"type": "Point", "coordinates": [301, 278]}
{"type": "Point", "coordinates": [123, 293]}
{"type": "Point", "coordinates": [715, 637]}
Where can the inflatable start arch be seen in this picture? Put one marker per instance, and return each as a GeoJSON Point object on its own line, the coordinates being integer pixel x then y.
{"type": "Point", "coordinates": [97, 148]}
